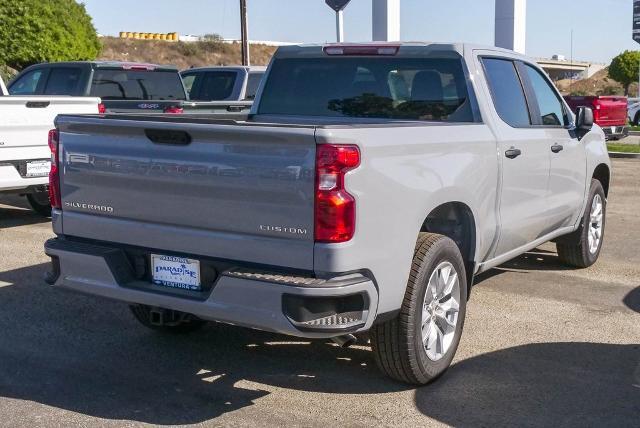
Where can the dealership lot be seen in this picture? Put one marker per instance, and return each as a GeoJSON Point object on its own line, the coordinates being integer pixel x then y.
{"type": "Point", "coordinates": [543, 345]}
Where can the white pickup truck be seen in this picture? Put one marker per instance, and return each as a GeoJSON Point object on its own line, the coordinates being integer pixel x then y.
{"type": "Point", "coordinates": [24, 154]}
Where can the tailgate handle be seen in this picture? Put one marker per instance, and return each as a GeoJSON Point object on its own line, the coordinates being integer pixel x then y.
{"type": "Point", "coordinates": [165, 136]}
{"type": "Point", "coordinates": [38, 104]}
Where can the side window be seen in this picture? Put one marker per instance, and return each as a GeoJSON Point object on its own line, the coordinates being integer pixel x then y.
{"type": "Point", "coordinates": [252, 85]}
{"type": "Point", "coordinates": [63, 81]}
{"type": "Point", "coordinates": [27, 84]}
{"type": "Point", "coordinates": [550, 106]}
{"type": "Point", "coordinates": [188, 82]}
{"type": "Point", "coordinates": [508, 95]}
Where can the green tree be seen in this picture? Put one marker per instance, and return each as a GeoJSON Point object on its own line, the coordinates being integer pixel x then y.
{"type": "Point", "coordinates": [33, 31]}
{"type": "Point", "coordinates": [624, 69]}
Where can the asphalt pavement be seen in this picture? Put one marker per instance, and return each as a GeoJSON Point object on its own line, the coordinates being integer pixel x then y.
{"type": "Point", "coordinates": [544, 345]}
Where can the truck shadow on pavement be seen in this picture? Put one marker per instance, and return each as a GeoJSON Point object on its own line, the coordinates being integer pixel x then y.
{"type": "Point", "coordinates": [544, 384]}
{"type": "Point", "coordinates": [14, 211]}
{"type": "Point", "coordinates": [89, 356]}
{"type": "Point", "coordinates": [535, 260]}
{"type": "Point", "coordinates": [632, 300]}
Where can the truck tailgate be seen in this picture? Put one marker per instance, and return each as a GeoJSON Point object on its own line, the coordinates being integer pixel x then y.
{"type": "Point", "coordinates": [25, 122]}
{"type": "Point", "coordinates": [225, 190]}
{"type": "Point", "coordinates": [612, 111]}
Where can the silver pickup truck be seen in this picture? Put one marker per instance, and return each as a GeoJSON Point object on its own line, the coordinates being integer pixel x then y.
{"type": "Point", "coordinates": [367, 188]}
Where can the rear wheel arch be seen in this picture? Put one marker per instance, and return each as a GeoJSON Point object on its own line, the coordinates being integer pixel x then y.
{"type": "Point", "coordinates": [455, 220]}
{"type": "Point", "coordinates": [603, 175]}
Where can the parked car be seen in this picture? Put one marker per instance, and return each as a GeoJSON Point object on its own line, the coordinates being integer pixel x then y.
{"type": "Point", "coordinates": [609, 112]}
{"type": "Point", "coordinates": [366, 190]}
{"type": "Point", "coordinates": [124, 87]}
{"type": "Point", "coordinates": [25, 158]}
{"type": "Point", "coordinates": [633, 114]}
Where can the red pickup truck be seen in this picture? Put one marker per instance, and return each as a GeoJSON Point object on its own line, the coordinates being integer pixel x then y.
{"type": "Point", "coordinates": [609, 112]}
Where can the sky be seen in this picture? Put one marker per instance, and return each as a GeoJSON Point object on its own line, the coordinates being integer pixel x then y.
{"type": "Point", "coordinates": [601, 28]}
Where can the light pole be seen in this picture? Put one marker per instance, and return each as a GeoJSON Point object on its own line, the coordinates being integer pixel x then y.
{"type": "Point", "coordinates": [244, 36]}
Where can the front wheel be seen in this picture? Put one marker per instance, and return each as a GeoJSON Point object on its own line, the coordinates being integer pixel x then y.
{"type": "Point", "coordinates": [39, 202]}
{"type": "Point", "coordinates": [584, 246]}
{"type": "Point", "coordinates": [419, 344]}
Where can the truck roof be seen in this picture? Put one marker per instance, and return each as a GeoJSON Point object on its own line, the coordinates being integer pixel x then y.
{"type": "Point", "coordinates": [125, 65]}
{"type": "Point", "coordinates": [251, 68]}
{"type": "Point", "coordinates": [408, 48]}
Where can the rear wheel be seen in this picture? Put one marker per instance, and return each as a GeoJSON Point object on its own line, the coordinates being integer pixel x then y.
{"type": "Point", "coordinates": [166, 320]}
{"type": "Point", "coordinates": [582, 248]}
{"type": "Point", "coordinates": [39, 202]}
{"type": "Point", "coordinates": [419, 344]}
{"type": "Point", "coordinates": [636, 119]}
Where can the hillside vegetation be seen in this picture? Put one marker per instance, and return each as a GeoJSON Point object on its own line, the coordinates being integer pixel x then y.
{"type": "Point", "coordinates": [183, 55]}
{"type": "Point", "coordinates": [598, 84]}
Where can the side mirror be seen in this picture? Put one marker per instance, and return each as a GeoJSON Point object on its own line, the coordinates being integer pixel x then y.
{"type": "Point", "coordinates": [584, 120]}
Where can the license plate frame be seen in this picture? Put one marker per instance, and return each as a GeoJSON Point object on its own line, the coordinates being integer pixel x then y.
{"type": "Point", "coordinates": [176, 272]}
{"type": "Point", "coordinates": [39, 168]}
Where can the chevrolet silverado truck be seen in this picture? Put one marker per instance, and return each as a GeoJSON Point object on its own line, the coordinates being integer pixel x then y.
{"type": "Point", "coordinates": [25, 158]}
{"type": "Point", "coordinates": [367, 188]}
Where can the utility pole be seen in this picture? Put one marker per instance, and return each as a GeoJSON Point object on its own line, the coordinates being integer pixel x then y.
{"type": "Point", "coordinates": [571, 84]}
{"type": "Point", "coordinates": [246, 58]}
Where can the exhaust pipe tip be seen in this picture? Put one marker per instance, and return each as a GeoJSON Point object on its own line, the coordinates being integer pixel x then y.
{"type": "Point", "coordinates": [345, 341]}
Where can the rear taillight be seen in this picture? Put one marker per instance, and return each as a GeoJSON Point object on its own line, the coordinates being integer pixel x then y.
{"type": "Point", "coordinates": [174, 110]}
{"type": "Point", "coordinates": [102, 108]}
{"type": "Point", "coordinates": [335, 208]}
{"type": "Point", "coordinates": [596, 110]}
{"type": "Point", "coordinates": [54, 174]}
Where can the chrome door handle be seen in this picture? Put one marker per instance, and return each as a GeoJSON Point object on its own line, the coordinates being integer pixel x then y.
{"type": "Point", "coordinates": [557, 148]}
{"type": "Point", "coordinates": [513, 153]}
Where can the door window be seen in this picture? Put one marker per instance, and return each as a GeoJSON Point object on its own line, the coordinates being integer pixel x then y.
{"type": "Point", "coordinates": [507, 92]}
{"type": "Point", "coordinates": [63, 81]}
{"type": "Point", "coordinates": [549, 105]}
{"type": "Point", "coordinates": [27, 84]}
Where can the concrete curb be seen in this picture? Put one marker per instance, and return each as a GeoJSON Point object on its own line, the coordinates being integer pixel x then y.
{"type": "Point", "coordinates": [634, 133]}
{"type": "Point", "coordinates": [621, 155]}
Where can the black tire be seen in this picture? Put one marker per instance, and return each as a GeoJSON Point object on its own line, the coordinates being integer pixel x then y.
{"type": "Point", "coordinates": [40, 203]}
{"type": "Point", "coordinates": [636, 119]}
{"type": "Point", "coordinates": [165, 320]}
{"type": "Point", "coordinates": [397, 344]}
{"type": "Point", "coordinates": [573, 250]}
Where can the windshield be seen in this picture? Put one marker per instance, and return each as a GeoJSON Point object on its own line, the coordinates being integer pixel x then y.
{"type": "Point", "coordinates": [431, 89]}
{"type": "Point", "coordinates": [137, 85]}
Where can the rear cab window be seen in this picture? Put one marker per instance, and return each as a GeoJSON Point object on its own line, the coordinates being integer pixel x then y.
{"type": "Point", "coordinates": [428, 88]}
{"type": "Point", "coordinates": [122, 84]}
{"type": "Point", "coordinates": [211, 85]}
